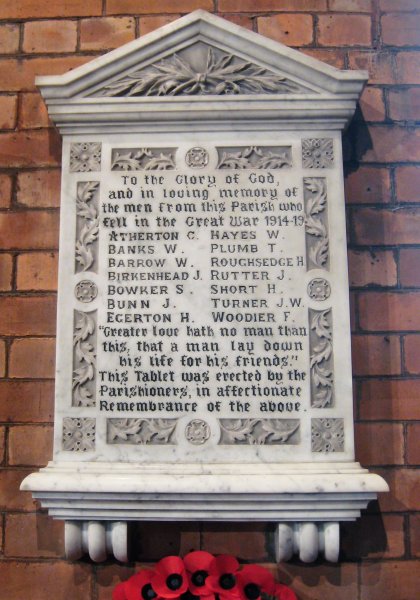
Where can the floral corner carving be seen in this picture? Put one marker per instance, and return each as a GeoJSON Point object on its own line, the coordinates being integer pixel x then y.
{"type": "Point", "coordinates": [85, 157]}
{"type": "Point", "coordinates": [317, 153]}
{"type": "Point", "coordinates": [327, 435]}
{"type": "Point", "coordinates": [78, 434]}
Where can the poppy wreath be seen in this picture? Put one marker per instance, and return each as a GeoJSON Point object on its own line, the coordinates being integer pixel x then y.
{"type": "Point", "coordinates": [202, 576]}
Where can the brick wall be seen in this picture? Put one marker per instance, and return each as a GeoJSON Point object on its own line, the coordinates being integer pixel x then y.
{"type": "Point", "coordinates": [380, 553]}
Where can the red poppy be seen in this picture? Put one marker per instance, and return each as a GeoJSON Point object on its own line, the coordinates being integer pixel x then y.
{"type": "Point", "coordinates": [170, 579]}
{"type": "Point", "coordinates": [253, 581]}
{"type": "Point", "coordinates": [283, 592]}
{"type": "Point", "coordinates": [119, 592]}
{"type": "Point", "coordinates": [222, 576]}
{"type": "Point", "coordinates": [197, 565]}
{"type": "Point", "coordinates": [139, 587]}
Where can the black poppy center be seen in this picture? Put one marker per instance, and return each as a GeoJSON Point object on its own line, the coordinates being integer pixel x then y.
{"type": "Point", "coordinates": [174, 581]}
{"type": "Point", "coordinates": [199, 578]}
{"type": "Point", "coordinates": [227, 581]}
{"type": "Point", "coordinates": [252, 591]}
{"type": "Point", "coordinates": [147, 592]}
{"type": "Point", "coordinates": [188, 596]}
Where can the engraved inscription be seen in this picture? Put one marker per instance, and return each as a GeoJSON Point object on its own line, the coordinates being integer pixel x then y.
{"type": "Point", "coordinates": [87, 226]}
{"type": "Point", "coordinates": [141, 431]}
{"type": "Point", "coordinates": [259, 431]}
{"type": "Point", "coordinates": [327, 435]}
{"type": "Point", "coordinates": [147, 159]}
{"type": "Point", "coordinates": [78, 434]}
{"type": "Point", "coordinates": [85, 157]}
{"type": "Point", "coordinates": [317, 153]}
{"type": "Point", "coordinates": [84, 359]}
{"type": "Point", "coordinates": [255, 157]}
{"type": "Point", "coordinates": [316, 226]}
{"type": "Point", "coordinates": [321, 359]}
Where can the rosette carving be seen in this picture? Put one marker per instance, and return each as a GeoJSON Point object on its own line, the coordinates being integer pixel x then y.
{"type": "Point", "coordinates": [259, 431]}
{"type": "Point", "coordinates": [321, 360]}
{"type": "Point", "coordinates": [84, 359]}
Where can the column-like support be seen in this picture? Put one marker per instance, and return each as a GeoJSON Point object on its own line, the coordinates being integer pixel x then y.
{"type": "Point", "coordinates": [96, 538]}
{"type": "Point", "coordinates": [307, 540]}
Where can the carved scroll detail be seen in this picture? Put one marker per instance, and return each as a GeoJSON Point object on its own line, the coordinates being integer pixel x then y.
{"type": "Point", "coordinates": [316, 225]}
{"type": "Point", "coordinates": [148, 159]}
{"type": "Point", "coordinates": [87, 225]}
{"type": "Point", "coordinates": [221, 74]}
{"type": "Point", "coordinates": [259, 431]}
{"type": "Point", "coordinates": [321, 359]}
{"type": "Point", "coordinates": [78, 434]}
{"type": "Point", "coordinates": [327, 435]}
{"type": "Point", "coordinates": [84, 359]}
{"type": "Point", "coordinates": [141, 431]}
{"type": "Point", "coordinates": [255, 157]}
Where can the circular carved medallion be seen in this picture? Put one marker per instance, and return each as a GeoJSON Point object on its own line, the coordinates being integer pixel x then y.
{"type": "Point", "coordinates": [319, 289]}
{"type": "Point", "coordinates": [197, 157]}
{"type": "Point", "coordinates": [86, 291]}
{"type": "Point", "coordinates": [197, 432]}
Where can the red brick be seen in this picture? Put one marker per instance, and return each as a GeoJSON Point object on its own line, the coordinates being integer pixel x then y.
{"type": "Point", "coordinates": [379, 65]}
{"type": "Point", "coordinates": [351, 5]}
{"type": "Point", "coordinates": [107, 578]}
{"type": "Point", "coordinates": [19, 74]}
{"type": "Point", "coordinates": [407, 67]}
{"type": "Point", "coordinates": [383, 226]}
{"type": "Point", "coordinates": [33, 112]}
{"type": "Point", "coordinates": [154, 544]}
{"type": "Point", "coordinates": [11, 498]}
{"type": "Point", "coordinates": [409, 267]}
{"type": "Point", "coordinates": [5, 190]}
{"type": "Point", "coordinates": [408, 184]}
{"type": "Point", "coordinates": [290, 29]}
{"type": "Point", "coordinates": [2, 448]}
{"type": "Point", "coordinates": [30, 148]}
{"type": "Point", "coordinates": [404, 491]}
{"type": "Point", "coordinates": [387, 144]}
{"type": "Point", "coordinates": [373, 536]}
{"type": "Point", "coordinates": [401, 30]}
{"type": "Point", "coordinates": [60, 580]}
{"type": "Point", "coordinates": [2, 358]}
{"type": "Point", "coordinates": [391, 580]}
{"type": "Point", "coordinates": [26, 401]}
{"type": "Point", "coordinates": [39, 189]}
{"type": "Point", "coordinates": [404, 104]}
{"type": "Point", "coordinates": [335, 58]}
{"type": "Point", "coordinates": [6, 268]}
{"type": "Point", "coordinates": [413, 446]}
{"type": "Point", "coordinates": [106, 32]}
{"type": "Point", "coordinates": [344, 30]}
{"type": "Point", "coordinates": [241, 20]}
{"type": "Point", "coordinates": [29, 229]}
{"type": "Point", "coordinates": [8, 112]}
{"type": "Point", "coordinates": [277, 5]}
{"type": "Point", "coordinates": [22, 363]}
{"type": "Point", "coordinates": [399, 5]}
{"type": "Point", "coordinates": [148, 24]}
{"type": "Point", "coordinates": [390, 399]}
{"type": "Point", "coordinates": [30, 445]}
{"type": "Point", "coordinates": [412, 354]}
{"type": "Point", "coordinates": [33, 535]}
{"type": "Point", "coordinates": [372, 104]}
{"type": "Point", "coordinates": [379, 443]}
{"type": "Point", "coordinates": [37, 271]}
{"type": "Point", "coordinates": [50, 36]}
{"type": "Point", "coordinates": [372, 268]}
{"type": "Point", "coordinates": [9, 38]}
{"type": "Point", "coordinates": [415, 535]}
{"type": "Point", "coordinates": [133, 7]}
{"type": "Point", "coordinates": [376, 355]}
{"type": "Point", "coordinates": [244, 540]}
{"type": "Point", "coordinates": [53, 8]}
{"type": "Point", "coordinates": [325, 582]}
{"type": "Point", "coordinates": [27, 315]}
{"type": "Point", "coordinates": [389, 311]}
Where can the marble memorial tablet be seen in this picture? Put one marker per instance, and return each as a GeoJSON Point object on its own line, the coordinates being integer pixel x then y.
{"type": "Point", "coordinates": [203, 346]}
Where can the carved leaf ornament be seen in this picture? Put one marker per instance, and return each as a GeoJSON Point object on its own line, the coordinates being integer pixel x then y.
{"type": "Point", "coordinates": [87, 211]}
{"type": "Point", "coordinates": [254, 158]}
{"type": "Point", "coordinates": [141, 431]}
{"type": "Point", "coordinates": [86, 359]}
{"type": "Point", "coordinates": [319, 251]}
{"type": "Point", "coordinates": [257, 431]}
{"type": "Point", "coordinates": [322, 374]}
{"type": "Point", "coordinates": [174, 76]}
